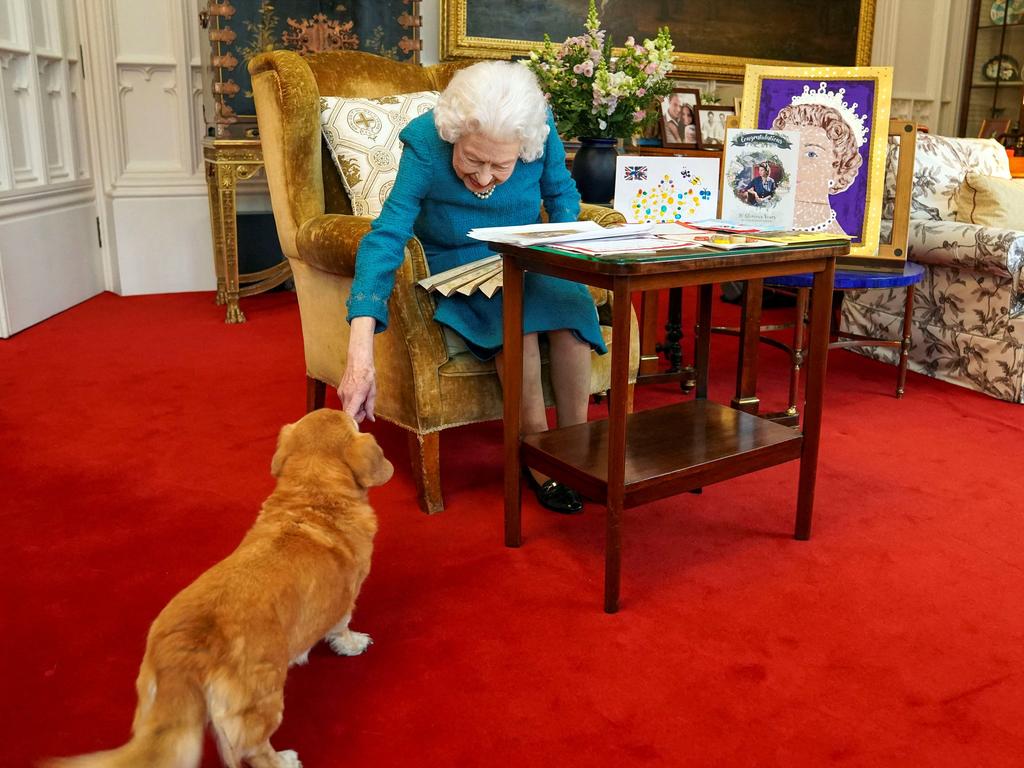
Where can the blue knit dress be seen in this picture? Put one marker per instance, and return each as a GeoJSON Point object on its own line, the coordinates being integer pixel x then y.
{"type": "Point", "coordinates": [430, 201]}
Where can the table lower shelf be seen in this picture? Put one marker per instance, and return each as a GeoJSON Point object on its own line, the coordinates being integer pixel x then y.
{"type": "Point", "coordinates": [669, 450]}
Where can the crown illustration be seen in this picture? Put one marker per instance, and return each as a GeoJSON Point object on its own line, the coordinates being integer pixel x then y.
{"type": "Point", "coordinates": [834, 99]}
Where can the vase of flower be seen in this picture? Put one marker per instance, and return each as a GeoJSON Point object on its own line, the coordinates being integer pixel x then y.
{"type": "Point", "coordinates": [593, 169]}
{"type": "Point", "coordinates": [601, 98]}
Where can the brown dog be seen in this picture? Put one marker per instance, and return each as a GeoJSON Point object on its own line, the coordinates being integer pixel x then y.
{"type": "Point", "coordinates": [220, 650]}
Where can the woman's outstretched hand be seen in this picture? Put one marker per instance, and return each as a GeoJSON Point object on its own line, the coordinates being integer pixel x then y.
{"type": "Point", "coordinates": [358, 388]}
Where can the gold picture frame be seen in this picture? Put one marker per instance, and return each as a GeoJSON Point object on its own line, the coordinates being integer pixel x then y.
{"type": "Point", "coordinates": [457, 43]}
{"type": "Point", "coordinates": [854, 196]}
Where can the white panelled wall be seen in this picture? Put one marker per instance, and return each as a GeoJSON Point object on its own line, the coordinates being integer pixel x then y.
{"type": "Point", "coordinates": [49, 250]}
{"type": "Point", "coordinates": [135, 164]}
{"type": "Point", "coordinates": [925, 41]}
{"type": "Point", "coordinates": [145, 89]}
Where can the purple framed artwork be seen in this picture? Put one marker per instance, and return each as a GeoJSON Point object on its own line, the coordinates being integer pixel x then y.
{"type": "Point", "coordinates": [842, 116]}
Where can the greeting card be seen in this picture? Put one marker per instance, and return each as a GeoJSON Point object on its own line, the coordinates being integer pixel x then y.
{"type": "Point", "coordinates": [666, 189]}
{"type": "Point", "coordinates": [760, 177]}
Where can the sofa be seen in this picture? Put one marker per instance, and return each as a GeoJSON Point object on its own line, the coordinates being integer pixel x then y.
{"type": "Point", "coordinates": [968, 317]}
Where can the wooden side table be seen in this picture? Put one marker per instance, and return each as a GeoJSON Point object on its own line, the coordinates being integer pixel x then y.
{"type": "Point", "coordinates": [631, 459]}
{"type": "Point", "coordinates": [229, 160]}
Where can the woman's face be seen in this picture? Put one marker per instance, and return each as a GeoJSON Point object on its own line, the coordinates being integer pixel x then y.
{"type": "Point", "coordinates": [686, 114]}
{"type": "Point", "coordinates": [481, 163]}
{"type": "Point", "coordinates": [815, 167]}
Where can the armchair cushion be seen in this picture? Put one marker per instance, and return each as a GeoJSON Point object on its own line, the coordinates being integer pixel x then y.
{"type": "Point", "coordinates": [362, 135]}
{"type": "Point", "coordinates": [990, 201]}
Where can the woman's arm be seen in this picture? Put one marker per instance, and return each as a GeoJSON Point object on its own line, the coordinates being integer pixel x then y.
{"type": "Point", "coordinates": [382, 250]}
{"type": "Point", "coordinates": [380, 253]}
{"type": "Point", "coordinates": [557, 189]}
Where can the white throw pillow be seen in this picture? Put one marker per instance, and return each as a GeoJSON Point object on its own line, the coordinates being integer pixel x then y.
{"type": "Point", "coordinates": [363, 138]}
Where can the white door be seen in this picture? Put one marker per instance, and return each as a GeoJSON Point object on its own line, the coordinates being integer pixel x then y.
{"type": "Point", "coordinates": [50, 254]}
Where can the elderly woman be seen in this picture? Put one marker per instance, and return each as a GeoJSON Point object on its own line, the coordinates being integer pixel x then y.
{"type": "Point", "coordinates": [488, 155]}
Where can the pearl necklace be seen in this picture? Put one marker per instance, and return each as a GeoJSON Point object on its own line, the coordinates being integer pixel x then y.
{"type": "Point", "coordinates": [486, 193]}
{"type": "Point", "coordinates": [819, 227]}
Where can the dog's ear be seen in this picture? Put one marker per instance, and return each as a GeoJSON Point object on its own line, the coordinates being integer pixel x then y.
{"type": "Point", "coordinates": [277, 463]}
{"type": "Point", "coordinates": [366, 460]}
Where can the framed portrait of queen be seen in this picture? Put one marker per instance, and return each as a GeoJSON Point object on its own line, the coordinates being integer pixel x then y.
{"type": "Point", "coordinates": [842, 117]}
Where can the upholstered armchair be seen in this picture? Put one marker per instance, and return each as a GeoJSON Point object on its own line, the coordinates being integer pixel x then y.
{"type": "Point", "coordinates": [420, 386]}
{"type": "Point", "coordinates": [968, 320]}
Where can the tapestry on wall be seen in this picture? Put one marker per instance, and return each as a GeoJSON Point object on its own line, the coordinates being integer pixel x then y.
{"type": "Point", "coordinates": [241, 29]}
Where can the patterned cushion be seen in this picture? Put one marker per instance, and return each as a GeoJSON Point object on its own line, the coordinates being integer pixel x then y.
{"type": "Point", "coordinates": [940, 164]}
{"type": "Point", "coordinates": [362, 135]}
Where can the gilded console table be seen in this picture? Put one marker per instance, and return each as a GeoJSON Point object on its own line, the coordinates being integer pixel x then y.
{"type": "Point", "coordinates": [229, 160]}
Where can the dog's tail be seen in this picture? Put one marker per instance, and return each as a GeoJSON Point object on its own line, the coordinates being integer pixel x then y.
{"type": "Point", "coordinates": [167, 731]}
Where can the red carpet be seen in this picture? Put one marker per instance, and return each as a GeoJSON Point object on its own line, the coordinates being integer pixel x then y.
{"type": "Point", "coordinates": [137, 435]}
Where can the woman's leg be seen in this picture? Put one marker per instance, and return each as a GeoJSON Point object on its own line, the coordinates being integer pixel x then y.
{"type": "Point", "coordinates": [533, 416]}
{"type": "Point", "coordinates": [554, 496]}
{"type": "Point", "coordinates": [570, 376]}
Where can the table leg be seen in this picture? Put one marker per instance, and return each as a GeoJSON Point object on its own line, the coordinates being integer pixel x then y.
{"type": "Point", "coordinates": [702, 343]}
{"type": "Point", "coordinates": [797, 352]}
{"type": "Point", "coordinates": [512, 307]}
{"type": "Point", "coordinates": [226, 181]}
{"type": "Point", "coordinates": [908, 317]}
{"type": "Point", "coordinates": [616, 446]}
{"type": "Point", "coordinates": [648, 334]}
{"type": "Point", "coordinates": [216, 229]}
{"type": "Point", "coordinates": [750, 335]}
{"type": "Point", "coordinates": [817, 360]}
{"type": "Point", "coordinates": [673, 347]}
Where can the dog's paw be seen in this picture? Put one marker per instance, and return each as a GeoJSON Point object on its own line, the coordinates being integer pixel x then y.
{"type": "Point", "coordinates": [289, 759]}
{"type": "Point", "coordinates": [298, 661]}
{"type": "Point", "coordinates": [350, 643]}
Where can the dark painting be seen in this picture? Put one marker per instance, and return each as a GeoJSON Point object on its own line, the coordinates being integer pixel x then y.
{"type": "Point", "coordinates": [308, 25]}
{"type": "Point", "coordinates": [804, 31]}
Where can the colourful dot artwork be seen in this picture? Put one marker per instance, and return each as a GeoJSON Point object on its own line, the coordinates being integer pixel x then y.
{"type": "Point", "coordinates": [668, 200]}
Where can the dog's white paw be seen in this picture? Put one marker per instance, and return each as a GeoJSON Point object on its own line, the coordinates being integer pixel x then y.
{"type": "Point", "coordinates": [299, 660]}
{"type": "Point", "coordinates": [289, 759]}
{"type": "Point", "coordinates": [349, 643]}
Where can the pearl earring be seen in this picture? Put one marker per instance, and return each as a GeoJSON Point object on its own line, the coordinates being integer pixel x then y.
{"type": "Point", "coordinates": [831, 182]}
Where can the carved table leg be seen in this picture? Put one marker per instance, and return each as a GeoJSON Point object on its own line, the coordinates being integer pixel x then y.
{"type": "Point", "coordinates": [227, 178]}
{"type": "Point", "coordinates": [216, 229]}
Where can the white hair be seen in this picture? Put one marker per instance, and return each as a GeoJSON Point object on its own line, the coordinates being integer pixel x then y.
{"type": "Point", "coordinates": [499, 99]}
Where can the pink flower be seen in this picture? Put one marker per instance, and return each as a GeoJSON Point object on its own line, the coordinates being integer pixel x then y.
{"type": "Point", "coordinates": [639, 116]}
{"type": "Point", "coordinates": [651, 68]}
{"type": "Point", "coordinates": [641, 92]}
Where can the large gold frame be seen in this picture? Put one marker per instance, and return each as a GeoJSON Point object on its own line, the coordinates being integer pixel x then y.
{"type": "Point", "coordinates": [868, 246]}
{"type": "Point", "coordinates": [456, 44]}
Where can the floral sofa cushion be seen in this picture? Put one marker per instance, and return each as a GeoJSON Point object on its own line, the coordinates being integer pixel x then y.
{"type": "Point", "coordinates": [940, 165]}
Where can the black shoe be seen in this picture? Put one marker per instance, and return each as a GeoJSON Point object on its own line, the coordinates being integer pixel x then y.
{"type": "Point", "coordinates": [555, 496]}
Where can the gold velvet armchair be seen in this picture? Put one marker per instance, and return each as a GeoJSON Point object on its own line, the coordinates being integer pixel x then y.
{"type": "Point", "coordinates": [419, 386]}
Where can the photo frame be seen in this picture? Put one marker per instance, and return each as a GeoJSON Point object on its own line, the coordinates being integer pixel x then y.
{"type": "Point", "coordinates": [711, 125]}
{"type": "Point", "coordinates": [678, 119]}
{"type": "Point", "coordinates": [842, 115]}
{"type": "Point", "coordinates": [993, 127]}
{"type": "Point", "coordinates": [712, 41]}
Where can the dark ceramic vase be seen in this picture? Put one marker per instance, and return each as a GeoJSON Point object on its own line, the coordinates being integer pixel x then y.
{"type": "Point", "coordinates": [593, 169]}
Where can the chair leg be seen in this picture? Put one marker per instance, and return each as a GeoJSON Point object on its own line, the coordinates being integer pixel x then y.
{"type": "Point", "coordinates": [316, 394]}
{"type": "Point", "coordinates": [425, 454]}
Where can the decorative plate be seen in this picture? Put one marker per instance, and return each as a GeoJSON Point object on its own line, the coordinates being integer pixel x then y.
{"type": "Point", "coordinates": [1015, 14]}
{"type": "Point", "coordinates": [1002, 68]}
